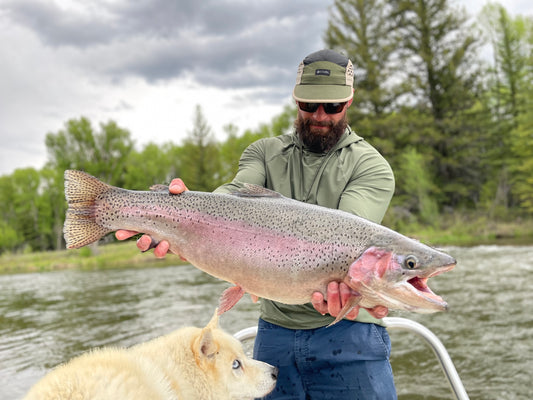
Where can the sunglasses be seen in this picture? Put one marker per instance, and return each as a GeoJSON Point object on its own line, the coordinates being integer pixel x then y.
{"type": "Point", "coordinates": [329, 108]}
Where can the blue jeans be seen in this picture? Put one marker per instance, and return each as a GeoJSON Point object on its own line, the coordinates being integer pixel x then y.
{"type": "Point", "coordinates": [349, 360]}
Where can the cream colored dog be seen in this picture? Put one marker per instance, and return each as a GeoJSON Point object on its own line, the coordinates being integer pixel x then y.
{"type": "Point", "coordinates": [190, 363]}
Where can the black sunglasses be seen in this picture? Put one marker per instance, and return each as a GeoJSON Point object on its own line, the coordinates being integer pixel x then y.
{"type": "Point", "coordinates": [329, 108]}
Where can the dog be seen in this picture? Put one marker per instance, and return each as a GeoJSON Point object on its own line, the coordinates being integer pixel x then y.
{"type": "Point", "coordinates": [190, 363]}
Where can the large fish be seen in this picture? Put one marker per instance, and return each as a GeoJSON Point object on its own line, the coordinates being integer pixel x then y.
{"type": "Point", "coordinates": [265, 244]}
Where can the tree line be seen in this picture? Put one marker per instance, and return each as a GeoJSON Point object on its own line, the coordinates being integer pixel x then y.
{"type": "Point", "coordinates": [456, 127]}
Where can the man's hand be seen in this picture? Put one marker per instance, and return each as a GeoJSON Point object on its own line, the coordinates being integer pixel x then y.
{"type": "Point", "coordinates": [146, 242]}
{"type": "Point", "coordinates": [338, 294]}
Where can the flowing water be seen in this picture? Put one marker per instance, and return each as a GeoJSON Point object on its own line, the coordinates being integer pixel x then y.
{"type": "Point", "coordinates": [47, 318]}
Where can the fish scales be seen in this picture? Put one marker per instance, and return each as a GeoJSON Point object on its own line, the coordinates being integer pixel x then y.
{"type": "Point", "coordinates": [237, 232]}
{"type": "Point", "coordinates": [264, 243]}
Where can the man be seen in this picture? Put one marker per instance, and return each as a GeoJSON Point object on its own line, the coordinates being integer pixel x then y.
{"type": "Point", "coordinates": [323, 163]}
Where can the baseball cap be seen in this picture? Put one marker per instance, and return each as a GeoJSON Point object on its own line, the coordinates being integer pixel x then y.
{"type": "Point", "coordinates": [324, 76]}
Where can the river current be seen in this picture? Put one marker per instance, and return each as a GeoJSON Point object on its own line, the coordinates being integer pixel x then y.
{"type": "Point", "coordinates": [48, 318]}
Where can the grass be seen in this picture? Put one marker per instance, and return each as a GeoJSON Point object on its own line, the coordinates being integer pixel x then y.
{"type": "Point", "coordinates": [114, 255]}
{"type": "Point", "coordinates": [471, 230]}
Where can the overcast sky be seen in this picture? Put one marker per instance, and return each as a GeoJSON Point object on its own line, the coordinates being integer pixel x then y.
{"type": "Point", "coordinates": [146, 64]}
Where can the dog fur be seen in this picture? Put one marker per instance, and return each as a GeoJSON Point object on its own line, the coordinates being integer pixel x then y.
{"type": "Point", "coordinates": [188, 364]}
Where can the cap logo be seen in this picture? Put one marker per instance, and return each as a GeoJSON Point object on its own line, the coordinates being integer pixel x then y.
{"type": "Point", "coordinates": [324, 72]}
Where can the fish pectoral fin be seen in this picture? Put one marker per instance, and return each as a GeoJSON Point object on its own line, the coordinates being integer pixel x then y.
{"type": "Point", "coordinates": [348, 306]}
{"type": "Point", "coordinates": [229, 298]}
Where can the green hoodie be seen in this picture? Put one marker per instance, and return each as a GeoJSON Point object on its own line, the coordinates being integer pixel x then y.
{"type": "Point", "coordinates": [352, 177]}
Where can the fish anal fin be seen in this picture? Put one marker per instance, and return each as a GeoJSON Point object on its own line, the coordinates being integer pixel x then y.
{"type": "Point", "coordinates": [229, 298]}
{"type": "Point", "coordinates": [352, 302]}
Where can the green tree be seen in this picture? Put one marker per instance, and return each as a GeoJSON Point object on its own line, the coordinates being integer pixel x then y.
{"type": "Point", "coordinates": [522, 150]}
{"type": "Point", "coordinates": [26, 192]}
{"type": "Point", "coordinates": [511, 72]}
{"type": "Point", "coordinates": [439, 49]}
{"type": "Point", "coordinates": [10, 239]}
{"type": "Point", "coordinates": [103, 154]}
{"type": "Point", "coordinates": [232, 148]}
{"type": "Point", "coordinates": [508, 103]}
{"type": "Point", "coordinates": [52, 206]}
{"type": "Point", "coordinates": [199, 159]}
{"type": "Point", "coordinates": [364, 29]}
{"type": "Point", "coordinates": [150, 166]}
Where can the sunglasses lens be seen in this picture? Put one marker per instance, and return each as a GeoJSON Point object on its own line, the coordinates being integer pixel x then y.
{"type": "Point", "coordinates": [308, 107]}
{"type": "Point", "coordinates": [333, 108]}
{"type": "Point", "coordinates": [329, 108]}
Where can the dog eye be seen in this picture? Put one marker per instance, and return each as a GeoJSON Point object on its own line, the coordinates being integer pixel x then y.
{"type": "Point", "coordinates": [236, 364]}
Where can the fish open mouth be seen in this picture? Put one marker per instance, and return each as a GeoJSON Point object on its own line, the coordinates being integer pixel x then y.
{"type": "Point", "coordinates": [420, 285]}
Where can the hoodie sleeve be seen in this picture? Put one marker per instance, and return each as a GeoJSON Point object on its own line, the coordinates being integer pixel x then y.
{"type": "Point", "coordinates": [251, 169]}
{"type": "Point", "coordinates": [370, 188]}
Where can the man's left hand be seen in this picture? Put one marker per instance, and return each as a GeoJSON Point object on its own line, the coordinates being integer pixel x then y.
{"type": "Point", "coordinates": [338, 294]}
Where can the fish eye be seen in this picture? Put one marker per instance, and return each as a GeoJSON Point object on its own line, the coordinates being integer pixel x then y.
{"type": "Point", "coordinates": [236, 364]}
{"type": "Point", "coordinates": [411, 262]}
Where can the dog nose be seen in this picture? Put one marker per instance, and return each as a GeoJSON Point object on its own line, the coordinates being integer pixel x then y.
{"type": "Point", "coordinates": [274, 373]}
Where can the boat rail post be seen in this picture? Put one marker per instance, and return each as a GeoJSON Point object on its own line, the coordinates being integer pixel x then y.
{"type": "Point", "coordinates": [396, 323]}
{"type": "Point", "coordinates": [456, 385]}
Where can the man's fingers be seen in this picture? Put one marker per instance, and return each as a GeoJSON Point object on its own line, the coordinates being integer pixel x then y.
{"type": "Point", "coordinates": [317, 299]}
{"type": "Point", "coordinates": [123, 234]}
{"type": "Point", "coordinates": [353, 314]}
{"type": "Point", "coordinates": [144, 243]}
{"type": "Point", "coordinates": [378, 312]}
{"type": "Point", "coordinates": [334, 299]}
{"type": "Point", "coordinates": [345, 292]}
{"type": "Point", "coordinates": [161, 249]}
{"type": "Point", "coordinates": [177, 186]}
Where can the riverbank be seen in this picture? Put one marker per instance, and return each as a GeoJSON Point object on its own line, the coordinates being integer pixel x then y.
{"type": "Point", "coordinates": [472, 230]}
{"type": "Point", "coordinates": [456, 231]}
{"type": "Point", "coordinates": [112, 255]}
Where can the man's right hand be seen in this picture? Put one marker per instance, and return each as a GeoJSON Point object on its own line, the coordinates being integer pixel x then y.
{"type": "Point", "coordinates": [146, 242]}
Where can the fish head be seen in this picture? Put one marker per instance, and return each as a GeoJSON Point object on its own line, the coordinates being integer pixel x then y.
{"type": "Point", "coordinates": [396, 277]}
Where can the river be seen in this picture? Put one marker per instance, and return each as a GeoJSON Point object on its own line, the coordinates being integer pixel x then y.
{"type": "Point", "coordinates": [47, 318]}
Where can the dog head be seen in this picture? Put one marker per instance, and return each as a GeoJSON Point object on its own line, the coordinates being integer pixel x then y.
{"type": "Point", "coordinates": [222, 358]}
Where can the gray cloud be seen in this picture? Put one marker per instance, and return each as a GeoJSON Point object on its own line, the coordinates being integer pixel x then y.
{"type": "Point", "coordinates": [223, 43]}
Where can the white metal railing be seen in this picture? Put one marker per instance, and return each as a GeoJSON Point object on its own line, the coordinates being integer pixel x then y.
{"type": "Point", "coordinates": [395, 323]}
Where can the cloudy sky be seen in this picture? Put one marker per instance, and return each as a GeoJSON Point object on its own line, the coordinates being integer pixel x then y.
{"type": "Point", "coordinates": [146, 64]}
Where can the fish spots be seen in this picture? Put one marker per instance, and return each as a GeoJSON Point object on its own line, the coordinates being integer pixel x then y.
{"type": "Point", "coordinates": [278, 241]}
{"type": "Point", "coordinates": [336, 352]}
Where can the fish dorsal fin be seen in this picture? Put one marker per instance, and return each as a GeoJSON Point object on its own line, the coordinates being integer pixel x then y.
{"type": "Point", "coordinates": [159, 188]}
{"type": "Point", "coordinates": [251, 190]}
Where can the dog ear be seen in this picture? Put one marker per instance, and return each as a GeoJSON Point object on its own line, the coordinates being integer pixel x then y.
{"type": "Point", "coordinates": [205, 343]}
{"type": "Point", "coordinates": [213, 324]}
{"type": "Point", "coordinates": [207, 346]}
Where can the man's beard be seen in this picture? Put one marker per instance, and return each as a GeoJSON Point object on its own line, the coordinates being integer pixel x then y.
{"type": "Point", "coordinates": [319, 141]}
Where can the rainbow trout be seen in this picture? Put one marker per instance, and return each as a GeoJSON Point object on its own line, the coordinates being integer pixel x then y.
{"type": "Point", "coordinates": [265, 244]}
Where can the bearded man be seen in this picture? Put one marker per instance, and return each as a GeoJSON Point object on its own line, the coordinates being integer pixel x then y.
{"type": "Point", "coordinates": [322, 162]}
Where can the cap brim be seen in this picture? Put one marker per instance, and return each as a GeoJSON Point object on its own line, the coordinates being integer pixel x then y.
{"type": "Point", "coordinates": [322, 93]}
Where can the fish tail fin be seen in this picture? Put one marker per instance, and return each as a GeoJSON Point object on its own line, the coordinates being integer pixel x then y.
{"type": "Point", "coordinates": [81, 191]}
